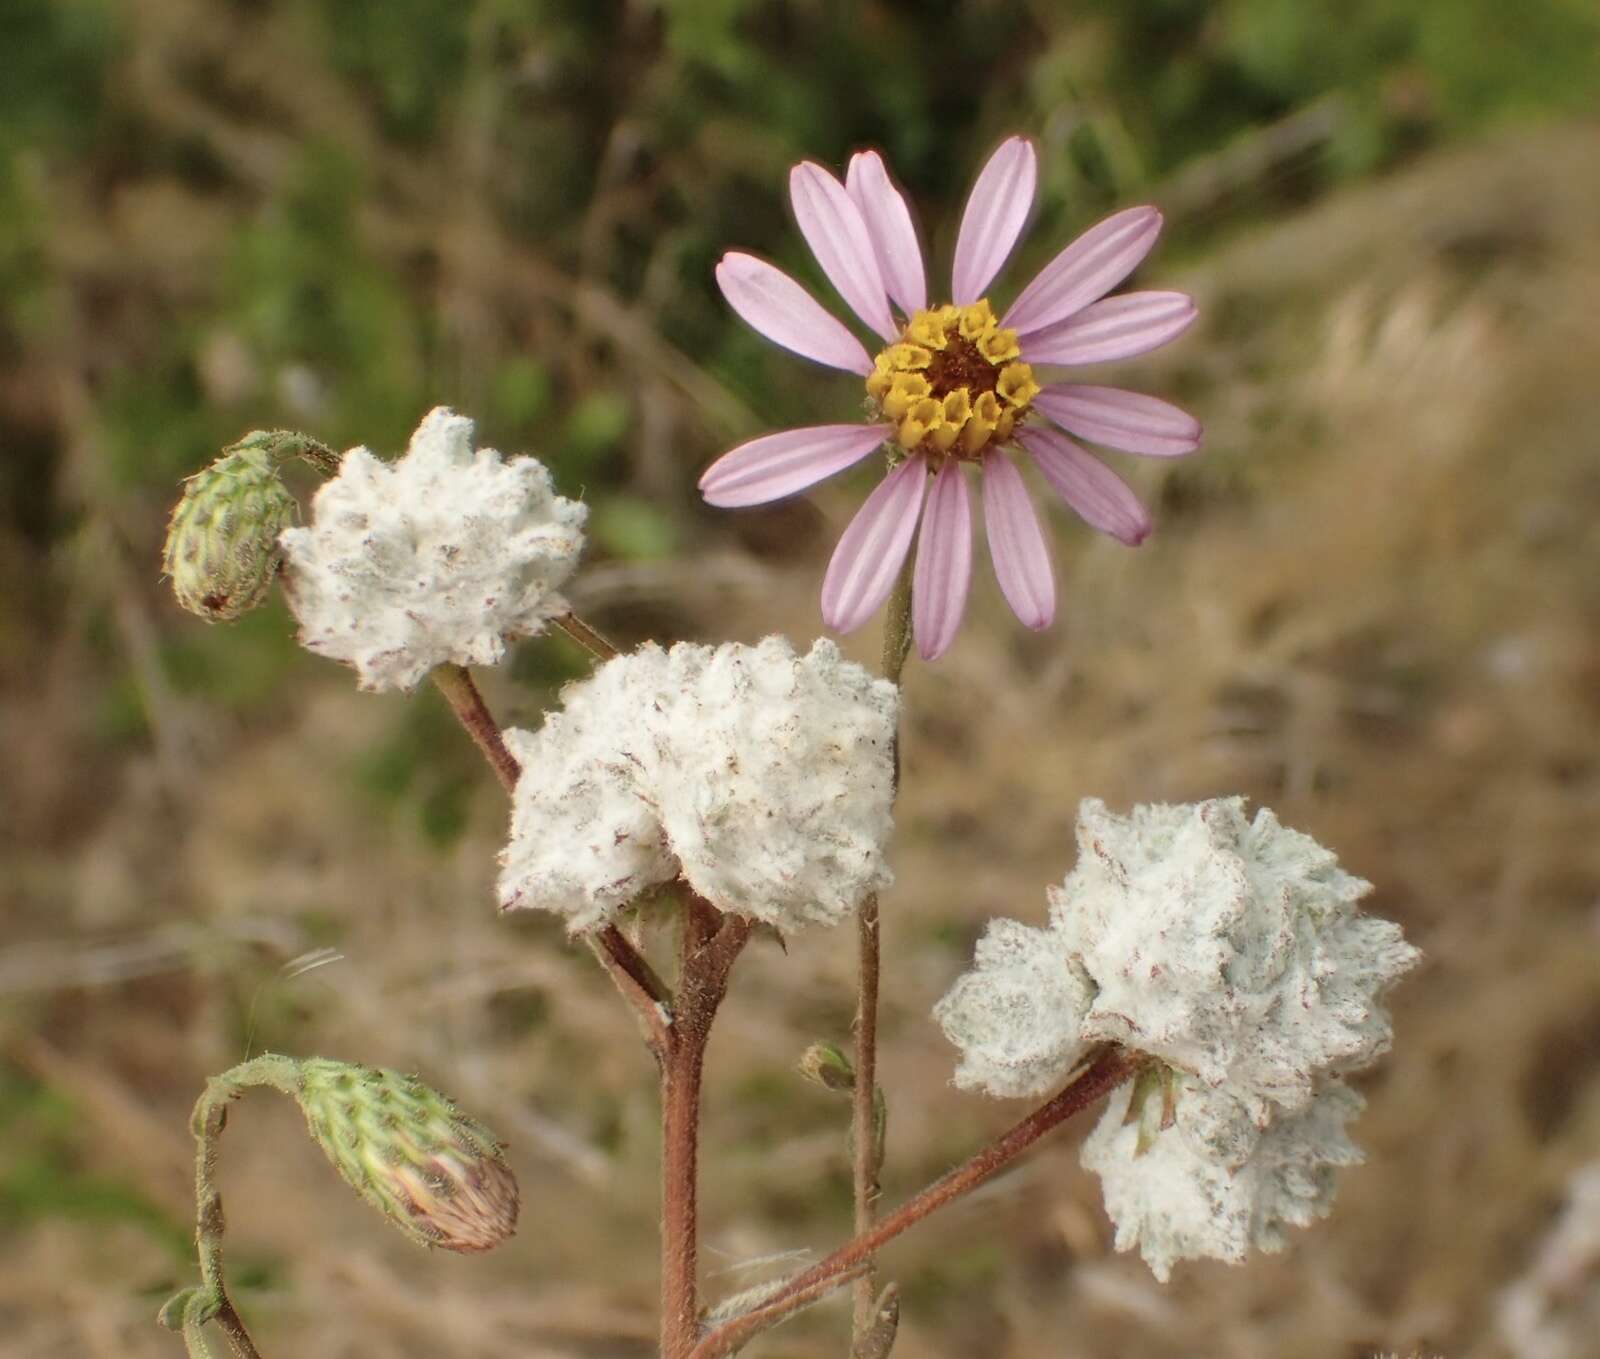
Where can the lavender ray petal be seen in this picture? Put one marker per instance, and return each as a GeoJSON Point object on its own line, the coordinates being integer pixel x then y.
{"type": "Point", "coordinates": [873, 547]}
{"type": "Point", "coordinates": [1114, 328]}
{"type": "Point", "coordinates": [838, 237]}
{"type": "Point", "coordinates": [1016, 544]}
{"type": "Point", "coordinates": [944, 563]}
{"type": "Point", "coordinates": [894, 237]}
{"type": "Point", "coordinates": [778, 465]}
{"type": "Point", "coordinates": [1099, 496]}
{"type": "Point", "coordinates": [996, 211]}
{"type": "Point", "coordinates": [771, 302]}
{"type": "Point", "coordinates": [1131, 421]}
{"type": "Point", "coordinates": [1085, 271]}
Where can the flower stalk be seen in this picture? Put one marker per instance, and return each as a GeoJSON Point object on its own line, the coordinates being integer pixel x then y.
{"type": "Point", "coordinates": [709, 943]}
{"type": "Point", "coordinates": [1109, 1069]}
{"type": "Point", "coordinates": [867, 1145]}
{"type": "Point", "coordinates": [194, 1307]}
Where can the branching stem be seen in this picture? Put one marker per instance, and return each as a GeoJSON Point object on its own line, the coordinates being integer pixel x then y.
{"type": "Point", "coordinates": [709, 942]}
{"type": "Point", "coordinates": [1107, 1071]}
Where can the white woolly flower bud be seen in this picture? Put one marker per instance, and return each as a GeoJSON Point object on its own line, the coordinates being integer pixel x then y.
{"type": "Point", "coordinates": [1230, 949]}
{"type": "Point", "coordinates": [1212, 1183]}
{"type": "Point", "coordinates": [437, 557]}
{"type": "Point", "coordinates": [584, 839]}
{"type": "Point", "coordinates": [766, 778]}
{"type": "Point", "coordinates": [1018, 1015]}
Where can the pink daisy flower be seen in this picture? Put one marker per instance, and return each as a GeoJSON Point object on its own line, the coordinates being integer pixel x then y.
{"type": "Point", "coordinates": [953, 386]}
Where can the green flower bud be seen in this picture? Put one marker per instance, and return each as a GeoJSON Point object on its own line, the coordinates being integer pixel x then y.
{"type": "Point", "coordinates": [825, 1065]}
{"type": "Point", "coordinates": [432, 1171]}
{"type": "Point", "coordinates": [222, 542]}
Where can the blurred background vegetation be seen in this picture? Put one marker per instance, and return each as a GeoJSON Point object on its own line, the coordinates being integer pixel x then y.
{"type": "Point", "coordinates": [331, 215]}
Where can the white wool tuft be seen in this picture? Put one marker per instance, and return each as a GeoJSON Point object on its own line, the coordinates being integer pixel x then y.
{"type": "Point", "coordinates": [766, 777]}
{"type": "Point", "coordinates": [435, 558]}
{"type": "Point", "coordinates": [1214, 1183]}
{"type": "Point", "coordinates": [1018, 1015]}
{"type": "Point", "coordinates": [1232, 951]}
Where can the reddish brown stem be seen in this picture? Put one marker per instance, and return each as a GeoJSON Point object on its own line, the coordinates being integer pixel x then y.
{"type": "Point", "coordinates": [232, 1326]}
{"type": "Point", "coordinates": [1103, 1075]}
{"type": "Point", "coordinates": [864, 1113]}
{"type": "Point", "coordinates": [681, 1075]}
{"type": "Point", "coordinates": [461, 693]}
{"type": "Point", "coordinates": [867, 1163]}
{"type": "Point", "coordinates": [709, 944]}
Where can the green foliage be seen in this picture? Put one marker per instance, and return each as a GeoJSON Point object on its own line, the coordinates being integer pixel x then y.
{"type": "Point", "coordinates": [593, 428]}
{"type": "Point", "coordinates": [1189, 76]}
{"type": "Point", "coordinates": [409, 55]}
{"type": "Point", "coordinates": [629, 526]}
{"type": "Point", "coordinates": [423, 769]}
{"type": "Point", "coordinates": [306, 291]}
{"type": "Point", "coordinates": [57, 56]}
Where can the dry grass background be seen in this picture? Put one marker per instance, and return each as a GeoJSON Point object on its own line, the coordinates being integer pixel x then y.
{"type": "Point", "coordinates": [1374, 606]}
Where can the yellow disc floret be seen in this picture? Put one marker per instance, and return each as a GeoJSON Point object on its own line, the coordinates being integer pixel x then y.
{"type": "Point", "coordinates": [953, 383]}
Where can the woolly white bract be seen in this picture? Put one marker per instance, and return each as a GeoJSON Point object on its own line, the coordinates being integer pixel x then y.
{"type": "Point", "coordinates": [1213, 1183]}
{"type": "Point", "coordinates": [1233, 951]}
{"type": "Point", "coordinates": [765, 777]}
{"type": "Point", "coordinates": [1230, 949]}
{"type": "Point", "coordinates": [437, 557]}
{"type": "Point", "coordinates": [1018, 1015]}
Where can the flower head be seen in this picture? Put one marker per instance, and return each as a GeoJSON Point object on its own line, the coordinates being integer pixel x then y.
{"type": "Point", "coordinates": [1231, 950]}
{"type": "Point", "coordinates": [1207, 1180]}
{"type": "Point", "coordinates": [1018, 1015]}
{"type": "Point", "coordinates": [955, 385]}
{"type": "Point", "coordinates": [436, 1174]}
{"type": "Point", "coordinates": [437, 557]}
{"type": "Point", "coordinates": [763, 777]}
{"type": "Point", "coordinates": [222, 549]}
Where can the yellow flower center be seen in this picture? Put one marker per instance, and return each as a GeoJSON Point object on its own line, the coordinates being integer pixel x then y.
{"type": "Point", "coordinates": [953, 383]}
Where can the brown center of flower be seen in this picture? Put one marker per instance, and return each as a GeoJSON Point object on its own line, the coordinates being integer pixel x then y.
{"type": "Point", "coordinates": [953, 383]}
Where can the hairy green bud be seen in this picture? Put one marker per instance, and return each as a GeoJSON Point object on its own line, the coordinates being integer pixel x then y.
{"type": "Point", "coordinates": [222, 542]}
{"type": "Point", "coordinates": [432, 1171]}
{"type": "Point", "coordinates": [825, 1065]}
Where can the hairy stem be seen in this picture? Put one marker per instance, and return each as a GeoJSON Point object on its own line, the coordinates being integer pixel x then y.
{"type": "Point", "coordinates": [1107, 1071]}
{"type": "Point", "coordinates": [680, 1228]}
{"type": "Point", "coordinates": [232, 1326]}
{"type": "Point", "coordinates": [866, 1169]}
{"type": "Point", "coordinates": [867, 1162]}
{"type": "Point", "coordinates": [585, 636]}
{"type": "Point", "coordinates": [897, 627]}
{"type": "Point", "coordinates": [211, 1301]}
{"type": "Point", "coordinates": [624, 964]}
{"type": "Point", "coordinates": [709, 944]}
{"type": "Point", "coordinates": [460, 691]}
{"type": "Point", "coordinates": [283, 444]}
{"type": "Point", "coordinates": [681, 1075]}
